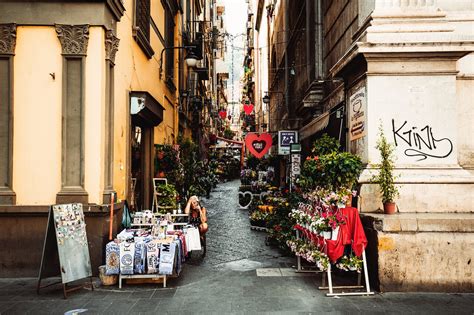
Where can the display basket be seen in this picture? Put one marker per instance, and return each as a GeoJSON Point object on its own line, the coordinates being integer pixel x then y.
{"type": "Point", "coordinates": [105, 279]}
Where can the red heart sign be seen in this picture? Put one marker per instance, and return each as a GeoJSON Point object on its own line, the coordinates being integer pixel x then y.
{"type": "Point", "coordinates": [248, 108]}
{"type": "Point", "coordinates": [223, 114]}
{"type": "Point", "coordinates": [257, 144]}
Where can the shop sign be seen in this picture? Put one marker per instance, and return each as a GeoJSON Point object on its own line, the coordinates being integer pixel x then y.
{"type": "Point", "coordinates": [258, 144]}
{"type": "Point", "coordinates": [357, 114]}
{"type": "Point", "coordinates": [285, 139]}
{"type": "Point", "coordinates": [295, 164]}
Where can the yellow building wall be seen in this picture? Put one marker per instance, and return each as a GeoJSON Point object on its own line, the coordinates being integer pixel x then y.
{"type": "Point", "coordinates": [38, 115]}
{"type": "Point", "coordinates": [135, 72]}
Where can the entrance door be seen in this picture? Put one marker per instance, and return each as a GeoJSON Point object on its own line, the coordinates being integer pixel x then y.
{"type": "Point", "coordinates": [142, 167]}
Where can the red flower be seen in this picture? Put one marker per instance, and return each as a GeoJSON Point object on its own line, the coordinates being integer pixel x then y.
{"type": "Point", "coordinates": [316, 158]}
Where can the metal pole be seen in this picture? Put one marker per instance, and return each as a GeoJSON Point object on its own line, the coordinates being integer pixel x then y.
{"type": "Point", "coordinates": [366, 273]}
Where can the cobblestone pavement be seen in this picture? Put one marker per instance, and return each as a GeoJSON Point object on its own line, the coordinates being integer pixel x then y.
{"type": "Point", "coordinates": [229, 238]}
{"type": "Point", "coordinates": [225, 282]}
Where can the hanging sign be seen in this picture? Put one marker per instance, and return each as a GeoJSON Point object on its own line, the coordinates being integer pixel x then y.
{"type": "Point", "coordinates": [285, 139]}
{"type": "Point", "coordinates": [223, 114]}
{"type": "Point", "coordinates": [295, 164]}
{"type": "Point", "coordinates": [248, 108]}
{"type": "Point", "coordinates": [258, 144]}
{"type": "Point", "coordinates": [357, 114]}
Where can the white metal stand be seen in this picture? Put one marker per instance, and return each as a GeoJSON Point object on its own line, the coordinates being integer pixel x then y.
{"type": "Point", "coordinates": [156, 182]}
{"type": "Point", "coordinates": [359, 286]}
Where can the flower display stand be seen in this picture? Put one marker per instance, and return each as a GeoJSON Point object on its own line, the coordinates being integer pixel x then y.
{"type": "Point", "coordinates": [299, 267]}
{"type": "Point", "coordinates": [331, 288]}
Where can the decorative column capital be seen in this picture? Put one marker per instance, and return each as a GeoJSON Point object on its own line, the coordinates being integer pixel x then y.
{"type": "Point", "coordinates": [73, 38]}
{"type": "Point", "coordinates": [7, 39]}
{"type": "Point", "coordinates": [111, 45]}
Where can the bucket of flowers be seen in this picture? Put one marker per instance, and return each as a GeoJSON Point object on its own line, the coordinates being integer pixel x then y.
{"type": "Point", "coordinates": [258, 218]}
{"type": "Point", "coordinates": [330, 220]}
{"type": "Point", "coordinates": [351, 263]}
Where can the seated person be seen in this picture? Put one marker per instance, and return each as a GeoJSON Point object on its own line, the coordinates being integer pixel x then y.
{"type": "Point", "coordinates": [197, 214]}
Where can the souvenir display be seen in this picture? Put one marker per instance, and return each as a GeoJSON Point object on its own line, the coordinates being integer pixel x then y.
{"type": "Point", "coordinates": [156, 248]}
{"type": "Point", "coordinates": [112, 258]}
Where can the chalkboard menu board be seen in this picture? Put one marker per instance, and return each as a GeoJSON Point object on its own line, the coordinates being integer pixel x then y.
{"type": "Point", "coordinates": [66, 250]}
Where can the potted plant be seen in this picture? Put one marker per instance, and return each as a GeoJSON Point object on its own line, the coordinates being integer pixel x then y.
{"type": "Point", "coordinates": [167, 195]}
{"type": "Point", "coordinates": [385, 177]}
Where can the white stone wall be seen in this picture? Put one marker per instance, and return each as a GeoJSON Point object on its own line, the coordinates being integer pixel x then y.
{"type": "Point", "coordinates": [420, 87]}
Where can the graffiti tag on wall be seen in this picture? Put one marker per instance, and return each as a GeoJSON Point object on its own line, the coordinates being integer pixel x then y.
{"type": "Point", "coordinates": [422, 142]}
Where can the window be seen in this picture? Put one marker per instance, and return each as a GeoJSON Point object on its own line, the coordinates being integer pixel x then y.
{"type": "Point", "coordinates": [169, 42]}
{"type": "Point", "coordinates": [141, 29]}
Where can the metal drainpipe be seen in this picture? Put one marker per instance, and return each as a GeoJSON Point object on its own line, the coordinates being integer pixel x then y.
{"type": "Point", "coordinates": [319, 42]}
{"type": "Point", "coordinates": [308, 38]}
{"type": "Point", "coordinates": [287, 70]}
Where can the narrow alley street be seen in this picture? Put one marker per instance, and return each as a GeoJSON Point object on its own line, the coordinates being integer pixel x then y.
{"type": "Point", "coordinates": [239, 274]}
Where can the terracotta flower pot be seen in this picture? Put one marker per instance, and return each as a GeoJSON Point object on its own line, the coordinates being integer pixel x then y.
{"type": "Point", "coordinates": [389, 208]}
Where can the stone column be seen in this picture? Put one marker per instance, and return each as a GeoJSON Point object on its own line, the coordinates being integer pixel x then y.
{"type": "Point", "coordinates": [7, 52]}
{"type": "Point", "coordinates": [74, 40]}
{"type": "Point", "coordinates": [111, 47]}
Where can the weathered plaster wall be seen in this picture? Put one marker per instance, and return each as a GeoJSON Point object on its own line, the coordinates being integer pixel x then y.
{"type": "Point", "coordinates": [37, 116]}
{"type": "Point", "coordinates": [135, 72]}
{"type": "Point", "coordinates": [431, 252]}
{"type": "Point", "coordinates": [38, 112]}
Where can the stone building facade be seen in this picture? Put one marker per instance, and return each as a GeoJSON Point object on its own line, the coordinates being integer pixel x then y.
{"type": "Point", "coordinates": [406, 67]}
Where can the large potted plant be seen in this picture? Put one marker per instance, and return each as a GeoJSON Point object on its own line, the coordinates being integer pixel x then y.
{"type": "Point", "coordinates": [328, 168]}
{"type": "Point", "coordinates": [385, 177]}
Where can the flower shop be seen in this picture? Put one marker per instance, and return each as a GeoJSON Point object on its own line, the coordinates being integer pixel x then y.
{"type": "Point", "coordinates": [315, 220]}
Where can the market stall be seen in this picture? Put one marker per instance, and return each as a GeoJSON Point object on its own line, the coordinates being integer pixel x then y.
{"type": "Point", "coordinates": [155, 247]}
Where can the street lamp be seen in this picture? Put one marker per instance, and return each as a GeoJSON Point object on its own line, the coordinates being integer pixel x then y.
{"type": "Point", "coordinates": [266, 98]}
{"type": "Point", "coordinates": [191, 58]}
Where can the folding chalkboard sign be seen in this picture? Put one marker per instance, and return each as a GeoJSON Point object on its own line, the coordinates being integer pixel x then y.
{"type": "Point", "coordinates": [65, 249]}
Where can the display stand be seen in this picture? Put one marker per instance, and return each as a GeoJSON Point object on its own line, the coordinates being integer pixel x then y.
{"type": "Point", "coordinates": [143, 276]}
{"type": "Point", "coordinates": [300, 269]}
{"type": "Point", "coordinates": [153, 276]}
{"type": "Point", "coordinates": [331, 287]}
{"type": "Point", "coordinates": [157, 181]}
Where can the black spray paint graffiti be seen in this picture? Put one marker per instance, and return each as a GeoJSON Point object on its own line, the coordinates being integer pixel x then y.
{"type": "Point", "coordinates": [422, 142]}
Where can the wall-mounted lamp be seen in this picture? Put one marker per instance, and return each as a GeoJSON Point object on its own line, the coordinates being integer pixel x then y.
{"type": "Point", "coordinates": [191, 58]}
{"type": "Point", "coordinates": [184, 93]}
{"type": "Point", "coordinates": [292, 69]}
{"type": "Point", "coordinates": [266, 98]}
